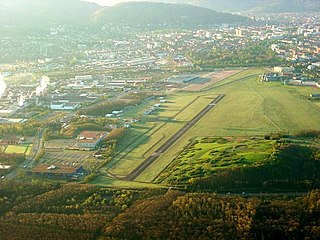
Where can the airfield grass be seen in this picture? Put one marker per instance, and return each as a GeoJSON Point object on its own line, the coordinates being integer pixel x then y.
{"type": "Point", "coordinates": [236, 77]}
{"type": "Point", "coordinates": [133, 139]}
{"type": "Point", "coordinates": [249, 108]}
{"type": "Point", "coordinates": [19, 149]}
{"type": "Point", "coordinates": [252, 107]}
{"type": "Point", "coordinates": [157, 129]}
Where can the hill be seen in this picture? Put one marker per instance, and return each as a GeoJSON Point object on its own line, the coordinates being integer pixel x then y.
{"type": "Point", "coordinates": [34, 14]}
{"type": "Point", "coordinates": [276, 6]}
{"type": "Point", "coordinates": [143, 13]}
{"type": "Point", "coordinates": [37, 14]}
{"type": "Point", "coordinates": [272, 6]}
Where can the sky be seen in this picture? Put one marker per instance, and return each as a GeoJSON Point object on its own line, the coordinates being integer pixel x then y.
{"type": "Point", "coordinates": [113, 2]}
{"type": "Point", "coordinates": [104, 2]}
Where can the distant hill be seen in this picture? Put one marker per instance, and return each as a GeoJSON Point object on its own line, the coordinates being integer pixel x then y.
{"type": "Point", "coordinates": [274, 6]}
{"type": "Point", "coordinates": [259, 5]}
{"type": "Point", "coordinates": [142, 13]}
{"type": "Point", "coordinates": [40, 14]}
{"type": "Point", "coordinates": [35, 14]}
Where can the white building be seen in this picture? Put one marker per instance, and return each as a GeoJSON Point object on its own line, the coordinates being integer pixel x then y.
{"type": "Point", "coordinates": [90, 139]}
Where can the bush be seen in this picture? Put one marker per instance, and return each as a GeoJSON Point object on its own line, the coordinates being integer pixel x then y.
{"type": "Point", "coordinates": [90, 177]}
{"type": "Point", "coordinates": [308, 133]}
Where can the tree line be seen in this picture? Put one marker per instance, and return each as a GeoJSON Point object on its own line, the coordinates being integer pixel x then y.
{"type": "Point", "coordinates": [36, 210]}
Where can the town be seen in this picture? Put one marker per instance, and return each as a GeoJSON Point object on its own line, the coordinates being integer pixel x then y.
{"type": "Point", "coordinates": [94, 80]}
{"type": "Point", "coordinates": [159, 120]}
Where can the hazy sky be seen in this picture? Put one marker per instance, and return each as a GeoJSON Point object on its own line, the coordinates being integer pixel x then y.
{"type": "Point", "coordinates": [113, 2]}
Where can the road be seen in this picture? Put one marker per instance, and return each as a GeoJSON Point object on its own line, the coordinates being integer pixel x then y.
{"type": "Point", "coordinates": [135, 173]}
{"type": "Point", "coordinates": [37, 146]}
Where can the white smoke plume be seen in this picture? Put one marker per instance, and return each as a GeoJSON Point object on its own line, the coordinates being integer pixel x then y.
{"type": "Point", "coordinates": [43, 85]}
{"type": "Point", "coordinates": [21, 100]}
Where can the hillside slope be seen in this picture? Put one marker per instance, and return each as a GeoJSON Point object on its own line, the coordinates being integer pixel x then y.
{"type": "Point", "coordinates": [142, 13]}
{"type": "Point", "coordinates": [35, 13]}
{"type": "Point", "coordinates": [256, 5]}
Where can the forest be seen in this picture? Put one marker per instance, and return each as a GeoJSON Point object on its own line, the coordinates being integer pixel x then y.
{"type": "Point", "coordinates": [38, 210]}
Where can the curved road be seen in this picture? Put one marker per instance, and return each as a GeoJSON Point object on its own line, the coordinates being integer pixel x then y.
{"type": "Point", "coordinates": [135, 173]}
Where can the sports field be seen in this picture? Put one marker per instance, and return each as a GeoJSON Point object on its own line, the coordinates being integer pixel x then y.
{"type": "Point", "coordinates": [19, 149]}
{"type": "Point", "coordinates": [249, 108]}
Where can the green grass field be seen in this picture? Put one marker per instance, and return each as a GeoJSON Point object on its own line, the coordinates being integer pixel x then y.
{"type": "Point", "coordinates": [207, 155]}
{"type": "Point", "coordinates": [249, 108]}
{"type": "Point", "coordinates": [16, 149]}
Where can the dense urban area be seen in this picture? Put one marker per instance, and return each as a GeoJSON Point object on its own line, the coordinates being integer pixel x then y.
{"type": "Point", "coordinates": [207, 131]}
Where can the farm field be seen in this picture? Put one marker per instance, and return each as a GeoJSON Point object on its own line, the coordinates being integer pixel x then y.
{"type": "Point", "coordinates": [204, 156]}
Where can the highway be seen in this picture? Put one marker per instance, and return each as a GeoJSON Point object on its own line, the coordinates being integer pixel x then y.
{"type": "Point", "coordinates": [135, 173]}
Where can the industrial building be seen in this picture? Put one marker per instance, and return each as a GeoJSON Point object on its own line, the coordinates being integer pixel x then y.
{"type": "Point", "coordinates": [182, 78]}
{"type": "Point", "coordinates": [90, 139]}
{"type": "Point", "coordinates": [58, 171]}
